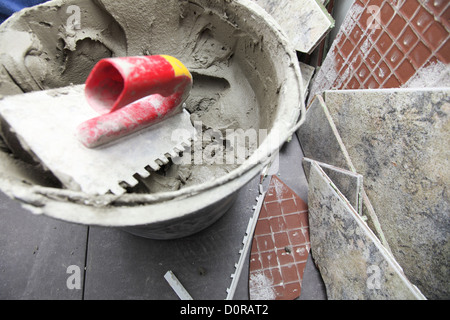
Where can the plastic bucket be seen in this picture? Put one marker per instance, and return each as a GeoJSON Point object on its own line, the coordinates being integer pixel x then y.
{"type": "Point", "coordinates": [235, 38]}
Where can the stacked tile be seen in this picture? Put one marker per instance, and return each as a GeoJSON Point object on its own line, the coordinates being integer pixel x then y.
{"type": "Point", "coordinates": [352, 261]}
{"type": "Point", "coordinates": [396, 139]}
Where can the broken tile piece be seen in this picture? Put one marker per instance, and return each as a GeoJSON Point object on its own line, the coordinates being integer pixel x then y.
{"type": "Point", "coordinates": [398, 140]}
{"type": "Point", "coordinates": [307, 74]}
{"type": "Point", "coordinates": [280, 246]}
{"type": "Point", "coordinates": [353, 263]}
{"type": "Point", "coordinates": [305, 22]}
{"type": "Point", "coordinates": [320, 139]}
{"type": "Point", "coordinates": [349, 183]}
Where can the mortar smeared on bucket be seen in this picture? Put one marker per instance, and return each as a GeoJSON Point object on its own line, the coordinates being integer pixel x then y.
{"type": "Point", "coordinates": [245, 75]}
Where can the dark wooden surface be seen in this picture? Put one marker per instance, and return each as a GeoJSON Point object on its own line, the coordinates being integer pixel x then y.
{"type": "Point", "coordinates": [36, 251]}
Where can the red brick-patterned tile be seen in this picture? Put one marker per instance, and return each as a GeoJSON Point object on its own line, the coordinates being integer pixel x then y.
{"type": "Point", "coordinates": [355, 35]}
{"type": "Point", "coordinates": [304, 219]}
{"type": "Point", "coordinates": [435, 35]}
{"type": "Point", "coordinates": [268, 259]}
{"type": "Point", "coordinates": [271, 195]}
{"type": "Point", "coordinates": [300, 253]}
{"type": "Point", "coordinates": [396, 26]}
{"type": "Point", "coordinates": [445, 17]}
{"type": "Point", "coordinates": [374, 34]}
{"type": "Point", "coordinates": [365, 18]}
{"type": "Point", "coordinates": [353, 83]}
{"type": "Point", "coordinates": [281, 240]}
{"type": "Point", "coordinates": [277, 224]}
{"type": "Point", "coordinates": [409, 8]}
{"type": "Point", "coordinates": [382, 72]}
{"type": "Point", "coordinates": [293, 220]}
{"type": "Point", "coordinates": [419, 54]}
{"type": "Point", "coordinates": [372, 58]}
{"type": "Point", "coordinates": [392, 82]}
{"type": "Point", "coordinates": [255, 262]}
{"type": "Point", "coordinates": [276, 276]}
{"type": "Point", "coordinates": [408, 39]}
{"type": "Point", "coordinates": [290, 206]}
{"type": "Point", "coordinates": [339, 61]}
{"type": "Point", "coordinates": [273, 208]}
{"type": "Point", "coordinates": [386, 13]}
{"type": "Point", "coordinates": [422, 20]}
{"type": "Point", "coordinates": [371, 83]}
{"type": "Point", "coordinates": [394, 56]}
{"type": "Point", "coordinates": [346, 48]}
{"type": "Point", "coordinates": [263, 213]}
{"type": "Point", "coordinates": [301, 268]}
{"type": "Point", "coordinates": [289, 273]}
{"type": "Point", "coordinates": [436, 6]}
{"type": "Point", "coordinates": [280, 243]}
{"type": "Point", "coordinates": [443, 54]}
{"type": "Point", "coordinates": [262, 227]}
{"type": "Point", "coordinates": [254, 243]}
{"type": "Point", "coordinates": [285, 257]}
{"type": "Point", "coordinates": [361, 3]}
{"type": "Point", "coordinates": [294, 289]}
{"type": "Point", "coordinates": [265, 242]}
{"type": "Point", "coordinates": [377, 3]}
{"type": "Point", "coordinates": [384, 43]}
{"type": "Point", "coordinates": [298, 236]}
{"type": "Point", "coordinates": [280, 291]}
{"type": "Point", "coordinates": [355, 59]}
{"type": "Point", "coordinates": [432, 61]}
{"type": "Point", "coordinates": [405, 71]}
{"type": "Point", "coordinates": [363, 73]}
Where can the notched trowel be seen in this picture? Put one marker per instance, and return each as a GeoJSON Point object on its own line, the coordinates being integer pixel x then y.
{"type": "Point", "coordinates": [142, 123]}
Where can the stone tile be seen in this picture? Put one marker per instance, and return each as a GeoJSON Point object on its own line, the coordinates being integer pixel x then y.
{"type": "Point", "coordinates": [305, 22]}
{"type": "Point", "coordinates": [398, 140]}
{"type": "Point", "coordinates": [321, 141]}
{"type": "Point", "coordinates": [353, 263]}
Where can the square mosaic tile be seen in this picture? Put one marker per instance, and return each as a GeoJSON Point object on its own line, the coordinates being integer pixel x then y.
{"type": "Point", "coordinates": [396, 40]}
{"type": "Point", "coordinates": [280, 246]}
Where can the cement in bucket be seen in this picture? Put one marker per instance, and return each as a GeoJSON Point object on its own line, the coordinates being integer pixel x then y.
{"type": "Point", "coordinates": [246, 77]}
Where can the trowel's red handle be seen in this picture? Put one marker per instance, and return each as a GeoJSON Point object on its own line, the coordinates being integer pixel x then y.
{"type": "Point", "coordinates": [132, 93]}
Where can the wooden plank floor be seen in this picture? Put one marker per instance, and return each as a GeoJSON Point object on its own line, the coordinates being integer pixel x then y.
{"type": "Point", "coordinates": [36, 252]}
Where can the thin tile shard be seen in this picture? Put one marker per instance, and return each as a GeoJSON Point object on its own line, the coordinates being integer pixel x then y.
{"type": "Point", "coordinates": [349, 184]}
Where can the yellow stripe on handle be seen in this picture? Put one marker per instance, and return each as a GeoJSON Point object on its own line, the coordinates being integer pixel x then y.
{"type": "Point", "coordinates": [178, 67]}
